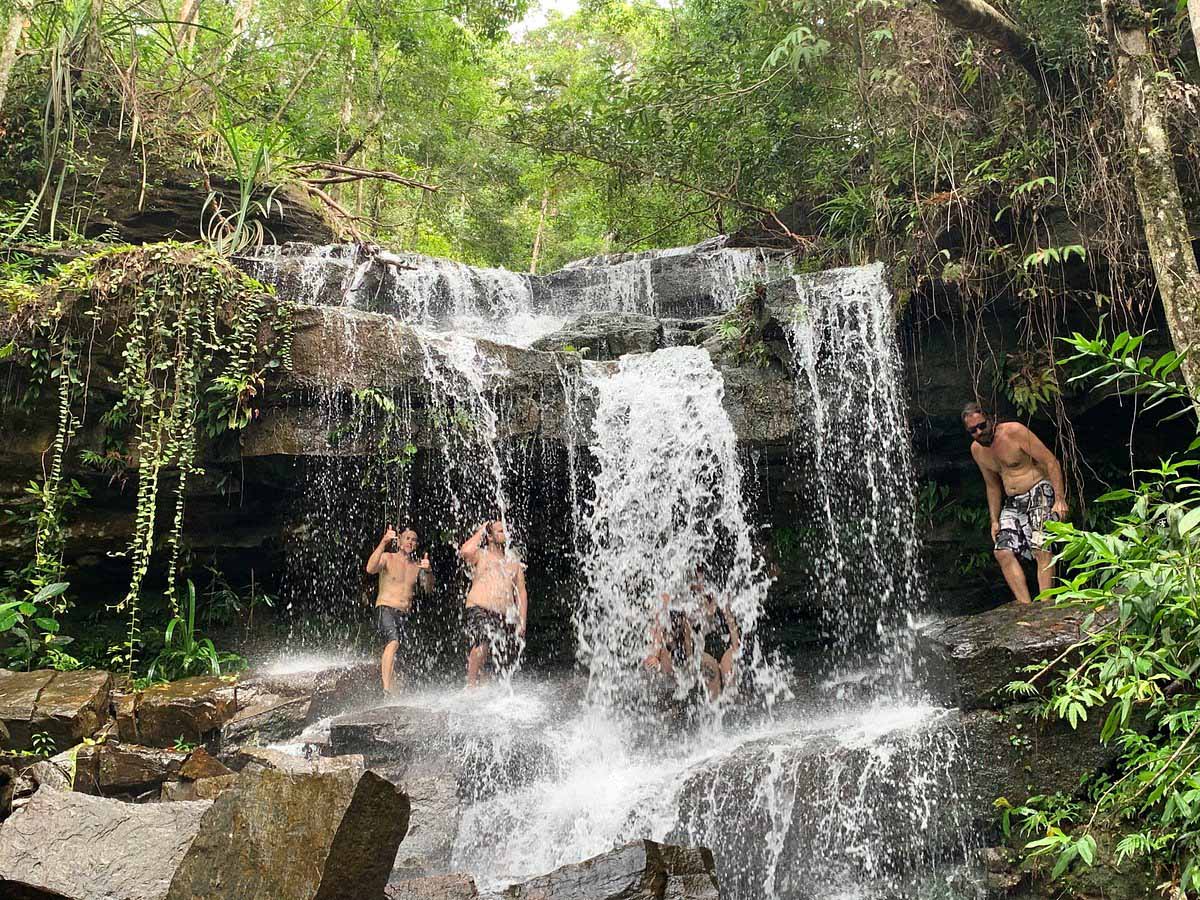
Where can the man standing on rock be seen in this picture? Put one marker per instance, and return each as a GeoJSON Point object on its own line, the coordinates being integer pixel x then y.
{"type": "Point", "coordinates": [399, 574]}
{"type": "Point", "coordinates": [1025, 491]}
{"type": "Point", "coordinates": [497, 604]}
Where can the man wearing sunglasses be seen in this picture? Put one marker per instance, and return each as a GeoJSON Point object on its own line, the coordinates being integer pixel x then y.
{"type": "Point", "coordinates": [1025, 491]}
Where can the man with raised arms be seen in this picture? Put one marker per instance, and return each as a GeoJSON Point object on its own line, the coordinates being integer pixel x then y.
{"type": "Point", "coordinates": [399, 574]}
{"type": "Point", "coordinates": [1025, 491]}
{"type": "Point", "coordinates": [497, 604]}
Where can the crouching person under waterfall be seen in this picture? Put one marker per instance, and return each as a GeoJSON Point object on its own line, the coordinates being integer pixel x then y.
{"type": "Point", "coordinates": [394, 561]}
{"type": "Point", "coordinates": [497, 604]}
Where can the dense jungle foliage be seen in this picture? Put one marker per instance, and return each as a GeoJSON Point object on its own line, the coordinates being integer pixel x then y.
{"type": "Point", "coordinates": [1042, 151]}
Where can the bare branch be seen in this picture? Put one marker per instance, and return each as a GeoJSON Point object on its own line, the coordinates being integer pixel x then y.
{"type": "Point", "coordinates": [983, 19]}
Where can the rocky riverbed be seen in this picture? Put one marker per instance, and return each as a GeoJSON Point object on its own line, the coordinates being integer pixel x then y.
{"type": "Point", "coordinates": [206, 787]}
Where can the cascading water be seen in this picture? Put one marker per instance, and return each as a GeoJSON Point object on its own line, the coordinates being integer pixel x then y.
{"type": "Point", "coordinates": [822, 799]}
{"type": "Point", "coordinates": [855, 459]}
{"type": "Point", "coordinates": [668, 503]}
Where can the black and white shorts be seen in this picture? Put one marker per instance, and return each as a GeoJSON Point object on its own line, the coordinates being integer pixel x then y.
{"type": "Point", "coordinates": [1023, 519]}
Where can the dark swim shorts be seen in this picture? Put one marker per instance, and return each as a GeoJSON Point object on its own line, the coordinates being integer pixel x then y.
{"type": "Point", "coordinates": [484, 628]}
{"type": "Point", "coordinates": [392, 623]}
{"type": "Point", "coordinates": [1023, 518]}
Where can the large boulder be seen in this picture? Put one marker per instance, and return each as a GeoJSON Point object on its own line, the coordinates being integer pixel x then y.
{"type": "Point", "coordinates": [606, 335]}
{"type": "Point", "coordinates": [65, 706]}
{"type": "Point", "coordinates": [67, 844]}
{"type": "Point", "coordinates": [343, 687]}
{"type": "Point", "coordinates": [117, 768]}
{"type": "Point", "coordinates": [191, 709]}
{"type": "Point", "coordinates": [266, 720]}
{"type": "Point", "coordinates": [978, 655]}
{"type": "Point", "coordinates": [255, 758]}
{"type": "Point", "coordinates": [642, 870]}
{"type": "Point", "coordinates": [390, 733]}
{"type": "Point", "coordinates": [278, 836]}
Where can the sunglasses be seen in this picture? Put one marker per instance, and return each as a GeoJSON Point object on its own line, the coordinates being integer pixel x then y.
{"type": "Point", "coordinates": [982, 426]}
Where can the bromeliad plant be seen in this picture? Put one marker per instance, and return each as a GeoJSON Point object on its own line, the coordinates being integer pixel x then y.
{"type": "Point", "coordinates": [1138, 666]}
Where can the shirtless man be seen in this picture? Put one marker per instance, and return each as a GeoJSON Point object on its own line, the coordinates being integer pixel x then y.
{"type": "Point", "coordinates": [399, 575]}
{"type": "Point", "coordinates": [497, 604]}
{"type": "Point", "coordinates": [1024, 490]}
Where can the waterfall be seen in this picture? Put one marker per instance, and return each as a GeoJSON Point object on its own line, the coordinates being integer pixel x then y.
{"type": "Point", "coordinates": [462, 381]}
{"type": "Point", "coordinates": [812, 797]}
{"type": "Point", "coordinates": [854, 458]}
{"type": "Point", "coordinates": [509, 307]}
{"type": "Point", "coordinates": [668, 500]}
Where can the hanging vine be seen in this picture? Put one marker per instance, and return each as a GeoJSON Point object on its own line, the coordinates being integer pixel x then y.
{"type": "Point", "coordinates": [197, 338]}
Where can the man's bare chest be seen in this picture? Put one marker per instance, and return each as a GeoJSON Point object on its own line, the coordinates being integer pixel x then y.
{"type": "Point", "coordinates": [1006, 455]}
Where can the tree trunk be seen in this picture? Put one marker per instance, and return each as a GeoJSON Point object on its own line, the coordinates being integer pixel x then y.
{"type": "Point", "coordinates": [93, 38]}
{"type": "Point", "coordinates": [979, 17]}
{"type": "Point", "coordinates": [240, 26]}
{"type": "Point", "coordinates": [185, 34]}
{"type": "Point", "coordinates": [1159, 199]}
{"type": "Point", "coordinates": [1194, 15]}
{"type": "Point", "coordinates": [537, 237]}
{"type": "Point", "coordinates": [18, 21]}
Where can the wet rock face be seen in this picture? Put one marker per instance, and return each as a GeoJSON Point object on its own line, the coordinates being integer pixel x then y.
{"type": "Point", "coordinates": [114, 768]}
{"type": "Point", "coordinates": [191, 709]}
{"type": "Point", "coordinates": [978, 655]}
{"type": "Point", "coordinates": [682, 282]}
{"type": "Point", "coordinates": [803, 793]}
{"type": "Point", "coordinates": [642, 870]}
{"type": "Point", "coordinates": [72, 845]}
{"type": "Point", "coordinates": [65, 706]}
{"type": "Point", "coordinates": [606, 335]}
{"type": "Point", "coordinates": [434, 887]}
{"type": "Point", "coordinates": [278, 836]}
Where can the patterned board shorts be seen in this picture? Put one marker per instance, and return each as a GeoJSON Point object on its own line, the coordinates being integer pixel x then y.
{"type": "Point", "coordinates": [1023, 518]}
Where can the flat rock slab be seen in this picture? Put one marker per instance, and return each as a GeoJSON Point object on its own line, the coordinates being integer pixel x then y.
{"type": "Point", "coordinates": [191, 709]}
{"type": "Point", "coordinates": [434, 887]}
{"type": "Point", "coordinates": [982, 653]}
{"type": "Point", "coordinates": [642, 870]}
{"type": "Point", "coordinates": [200, 789]}
{"type": "Point", "coordinates": [91, 848]}
{"type": "Point", "coordinates": [606, 335]}
{"type": "Point", "coordinates": [66, 706]}
{"type": "Point", "coordinates": [390, 733]}
{"type": "Point", "coordinates": [339, 689]}
{"type": "Point", "coordinates": [267, 719]}
{"type": "Point", "coordinates": [278, 836]}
